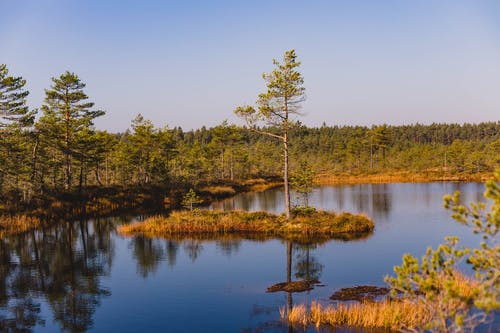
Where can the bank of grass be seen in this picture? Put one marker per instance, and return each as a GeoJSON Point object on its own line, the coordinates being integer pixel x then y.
{"type": "Point", "coordinates": [17, 224]}
{"type": "Point", "coordinates": [387, 314]}
{"type": "Point", "coordinates": [397, 314]}
{"type": "Point", "coordinates": [399, 177]}
{"type": "Point", "coordinates": [313, 225]}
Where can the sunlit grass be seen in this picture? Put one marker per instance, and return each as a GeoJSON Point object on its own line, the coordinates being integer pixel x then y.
{"type": "Point", "coordinates": [317, 226]}
{"type": "Point", "coordinates": [398, 177]}
{"type": "Point", "coordinates": [219, 191]}
{"type": "Point", "coordinates": [401, 313]}
{"type": "Point", "coordinates": [12, 225]}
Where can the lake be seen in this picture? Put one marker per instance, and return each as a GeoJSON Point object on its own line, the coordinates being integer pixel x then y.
{"type": "Point", "coordinates": [81, 276]}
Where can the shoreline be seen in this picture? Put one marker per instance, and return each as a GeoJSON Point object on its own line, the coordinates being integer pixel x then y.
{"type": "Point", "coordinates": [399, 177]}
{"type": "Point", "coordinates": [110, 201]}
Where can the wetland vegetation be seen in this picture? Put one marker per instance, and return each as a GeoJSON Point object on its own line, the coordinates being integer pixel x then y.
{"type": "Point", "coordinates": [55, 155]}
{"type": "Point", "coordinates": [57, 161]}
{"type": "Point", "coordinates": [314, 226]}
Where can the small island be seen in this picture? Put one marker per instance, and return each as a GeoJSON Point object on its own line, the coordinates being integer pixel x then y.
{"type": "Point", "coordinates": [303, 226]}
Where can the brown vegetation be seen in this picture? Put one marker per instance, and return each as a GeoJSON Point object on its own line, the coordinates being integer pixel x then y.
{"type": "Point", "coordinates": [316, 226]}
{"type": "Point", "coordinates": [16, 224]}
{"type": "Point", "coordinates": [398, 177]}
{"type": "Point", "coordinates": [400, 313]}
{"type": "Point", "coordinates": [293, 286]}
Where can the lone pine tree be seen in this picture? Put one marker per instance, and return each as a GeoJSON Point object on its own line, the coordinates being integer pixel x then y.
{"type": "Point", "coordinates": [275, 107]}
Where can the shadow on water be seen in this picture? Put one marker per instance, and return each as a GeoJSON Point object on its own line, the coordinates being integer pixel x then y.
{"type": "Point", "coordinates": [63, 266]}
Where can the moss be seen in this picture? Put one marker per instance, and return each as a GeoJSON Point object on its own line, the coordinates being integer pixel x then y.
{"type": "Point", "coordinates": [318, 226]}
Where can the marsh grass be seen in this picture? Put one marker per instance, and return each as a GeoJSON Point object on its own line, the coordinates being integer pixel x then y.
{"type": "Point", "coordinates": [318, 226]}
{"type": "Point", "coordinates": [219, 191]}
{"type": "Point", "coordinates": [17, 224]}
{"type": "Point", "coordinates": [398, 177]}
{"type": "Point", "coordinates": [401, 313]}
{"type": "Point", "coordinates": [387, 314]}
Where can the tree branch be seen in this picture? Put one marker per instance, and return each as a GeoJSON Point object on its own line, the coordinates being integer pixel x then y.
{"type": "Point", "coordinates": [267, 133]}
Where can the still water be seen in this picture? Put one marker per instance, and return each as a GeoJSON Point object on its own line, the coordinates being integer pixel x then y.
{"type": "Point", "coordinates": [83, 277]}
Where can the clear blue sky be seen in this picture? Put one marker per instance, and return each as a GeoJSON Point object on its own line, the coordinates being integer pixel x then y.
{"type": "Point", "coordinates": [190, 63]}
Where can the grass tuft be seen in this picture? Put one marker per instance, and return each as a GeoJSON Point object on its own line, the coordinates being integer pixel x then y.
{"type": "Point", "coordinates": [398, 314]}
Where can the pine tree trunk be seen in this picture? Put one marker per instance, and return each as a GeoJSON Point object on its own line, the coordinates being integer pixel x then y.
{"type": "Point", "coordinates": [106, 171]}
{"type": "Point", "coordinates": [97, 174]}
{"type": "Point", "coordinates": [222, 165]}
{"type": "Point", "coordinates": [80, 181]}
{"type": "Point", "coordinates": [34, 158]}
{"type": "Point", "coordinates": [68, 159]}
{"type": "Point", "coordinates": [231, 167]}
{"type": "Point", "coordinates": [371, 156]}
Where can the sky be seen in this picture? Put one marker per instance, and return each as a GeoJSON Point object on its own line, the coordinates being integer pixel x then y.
{"type": "Point", "coordinates": [190, 63]}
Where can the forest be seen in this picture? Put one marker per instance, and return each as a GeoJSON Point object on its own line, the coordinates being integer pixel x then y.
{"type": "Point", "coordinates": [57, 149]}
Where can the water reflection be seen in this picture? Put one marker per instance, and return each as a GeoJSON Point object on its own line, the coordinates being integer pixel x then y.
{"type": "Point", "coordinates": [228, 247]}
{"type": "Point", "coordinates": [172, 248]}
{"type": "Point", "coordinates": [63, 266]}
{"type": "Point", "coordinates": [307, 271]}
{"type": "Point", "coordinates": [148, 253]}
{"type": "Point", "coordinates": [381, 199]}
{"type": "Point", "coordinates": [55, 279]}
{"type": "Point", "coordinates": [307, 266]}
{"type": "Point", "coordinates": [376, 200]}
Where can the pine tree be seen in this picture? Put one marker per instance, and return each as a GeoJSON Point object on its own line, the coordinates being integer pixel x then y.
{"type": "Point", "coordinates": [67, 119]}
{"type": "Point", "coordinates": [275, 107]}
{"type": "Point", "coordinates": [15, 119]}
{"type": "Point", "coordinates": [191, 199]}
{"type": "Point", "coordinates": [13, 108]}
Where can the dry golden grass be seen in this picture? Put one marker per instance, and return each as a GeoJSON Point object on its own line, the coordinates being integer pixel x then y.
{"type": "Point", "coordinates": [265, 186]}
{"type": "Point", "coordinates": [219, 190]}
{"type": "Point", "coordinates": [12, 225]}
{"type": "Point", "coordinates": [297, 315]}
{"type": "Point", "coordinates": [387, 314]}
{"type": "Point", "coordinates": [402, 313]}
{"type": "Point", "coordinates": [101, 204]}
{"type": "Point", "coordinates": [318, 226]}
{"type": "Point", "coordinates": [397, 177]}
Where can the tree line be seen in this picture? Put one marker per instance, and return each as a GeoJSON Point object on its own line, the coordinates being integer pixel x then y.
{"type": "Point", "coordinates": [57, 147]}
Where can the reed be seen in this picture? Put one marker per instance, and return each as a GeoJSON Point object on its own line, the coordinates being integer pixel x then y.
{"type": "Point", "coordinates": [316, 226]}
{"type": "Point", "coordinates": [386, 314]}
{"type": "Point", "coordinates": [402, 313]}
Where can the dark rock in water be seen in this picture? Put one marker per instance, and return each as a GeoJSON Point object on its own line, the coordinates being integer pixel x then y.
{"type": "Point", "coordinates": [294, 286]}
{"type": "Point", "coordinates": [359, 293]}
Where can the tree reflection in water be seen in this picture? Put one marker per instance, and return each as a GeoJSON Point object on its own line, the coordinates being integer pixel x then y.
{"type": "Point", "coordinates": [64, 265]}
{"type": "Point", "coordinates": [307, 269]}
{"type": "Point", "coordinates": [148, 252]}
